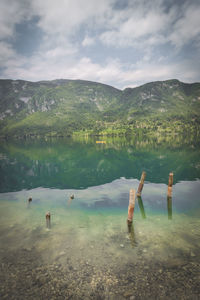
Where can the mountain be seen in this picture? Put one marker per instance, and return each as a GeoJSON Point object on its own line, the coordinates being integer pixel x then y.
{"type": "Point", "coordinates": [65, 107]}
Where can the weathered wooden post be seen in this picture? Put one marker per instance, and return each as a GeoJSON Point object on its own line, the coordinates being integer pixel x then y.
{"type": "Point", "coordinates": [70, 199]}
{"type": "Point", "coordinates": [169, 207]}
{"type": "Point", "coordinates": [48, 219]}
{"type": "Point", "coordinates": [140, 187]}
{"type": "Point", "coordinates": [131, 206]}
{"type": "Point", "coordinates": [29, 202]}
{"type": "Point", "coordinates": [169, 191]}
{"type": "Point", "coordinates": [132, 234]}
{"type": "Point", "coordinates": [141, 206]}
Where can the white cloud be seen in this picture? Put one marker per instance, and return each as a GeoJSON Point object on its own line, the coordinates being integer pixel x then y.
{"type": "Point", "coordinates": [187, 28]}
{"type": "Point", "coordinates": [148, 24]}
{"type": "Point", "coordinates": [6, 52]}
{"type": "Point", "coordinates": [65, 17]}
{"type": "Point", "coordinates": [12, 12]}
{"type": "Point", "coordinates": [88, 41]}
{"type": "Point", "coordinates": [70, 25]}
{"type": "Point", "coordinates": [9, 59]}
{"type": "Point", "coordinates": [112, 72]}
{"type": "Point", "coordinates": [59, 52]}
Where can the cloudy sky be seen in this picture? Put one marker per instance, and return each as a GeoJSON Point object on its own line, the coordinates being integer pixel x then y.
{"type": "Point", "coordinates": [118, 42]}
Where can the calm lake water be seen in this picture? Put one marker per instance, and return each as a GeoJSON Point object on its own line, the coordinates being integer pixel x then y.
{"type": "Point", "coordinates": [87, 251]}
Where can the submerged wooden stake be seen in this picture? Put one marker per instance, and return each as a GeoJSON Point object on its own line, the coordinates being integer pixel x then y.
{"type": "Point", "coordinates": [169, 191]}
{"type": "Point", "coordinates": [140, 187]}
{"type": "Point", "coordinates": [169, 207]}
{"type": "Point", "coordinates": [131, 206]}
{"type": "Point", "coordinates": [132, 234]}
{"type": "Point", "coordinates": [141, 206]}
{"type": "Point", "coordinates": [70, 199]}
{"type": "Point", "coordinates": [48, 219]}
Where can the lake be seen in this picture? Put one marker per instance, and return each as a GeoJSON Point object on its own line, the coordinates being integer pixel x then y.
{"type": "Point", "coordinates": [86, 250]}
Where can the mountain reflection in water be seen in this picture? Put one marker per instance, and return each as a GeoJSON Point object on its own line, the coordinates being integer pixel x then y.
{"type": "Point", "coordinates": [66, 164]}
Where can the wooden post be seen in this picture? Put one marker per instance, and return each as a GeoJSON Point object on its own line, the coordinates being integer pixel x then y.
{"type": "Point", "coordinates": [48, 219]}
{"type": "Point", "coordinates": [141, 206]}
{"type": "Point", "coordinates": [131, 206]}
{"type": "Point", "coordinates": [169, 207]}
{"type": "Point", "coordinates": [169, 191]}
{"type": "Point", "coordinates": [29, 202]}
{"type": "Point", "coordinates": [70, 199]}
{"type": "Point", "coordinates": [132, 234]}
{"type": "Point", "coordinates": [140, 187]}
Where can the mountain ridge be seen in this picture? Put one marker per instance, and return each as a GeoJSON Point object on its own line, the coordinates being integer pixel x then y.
{"type": "Point", "coordinates": [64, 80]}
{"type": "Point", "coordinates": [62, 107]}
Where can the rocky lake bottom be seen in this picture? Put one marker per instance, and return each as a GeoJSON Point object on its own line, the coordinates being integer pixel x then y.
{"type": "Point", "coordinates": [96, 256]}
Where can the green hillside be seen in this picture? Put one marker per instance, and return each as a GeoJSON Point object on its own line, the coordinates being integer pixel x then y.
{"type": "Point", "coordinates": [76, 107]}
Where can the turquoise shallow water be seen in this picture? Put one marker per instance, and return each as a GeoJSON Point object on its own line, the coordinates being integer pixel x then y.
{"type": "Point", "coordinates": [91, 231]}
{"type": "Point", "coordinates": [99, 214]}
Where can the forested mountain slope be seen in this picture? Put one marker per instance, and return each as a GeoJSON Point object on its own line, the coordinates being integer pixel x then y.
{"type": "Point", "coordinates": [63, 107]}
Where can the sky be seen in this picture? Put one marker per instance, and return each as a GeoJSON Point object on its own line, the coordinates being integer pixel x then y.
{"type": "Point", "coordinates": [122, 43]}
